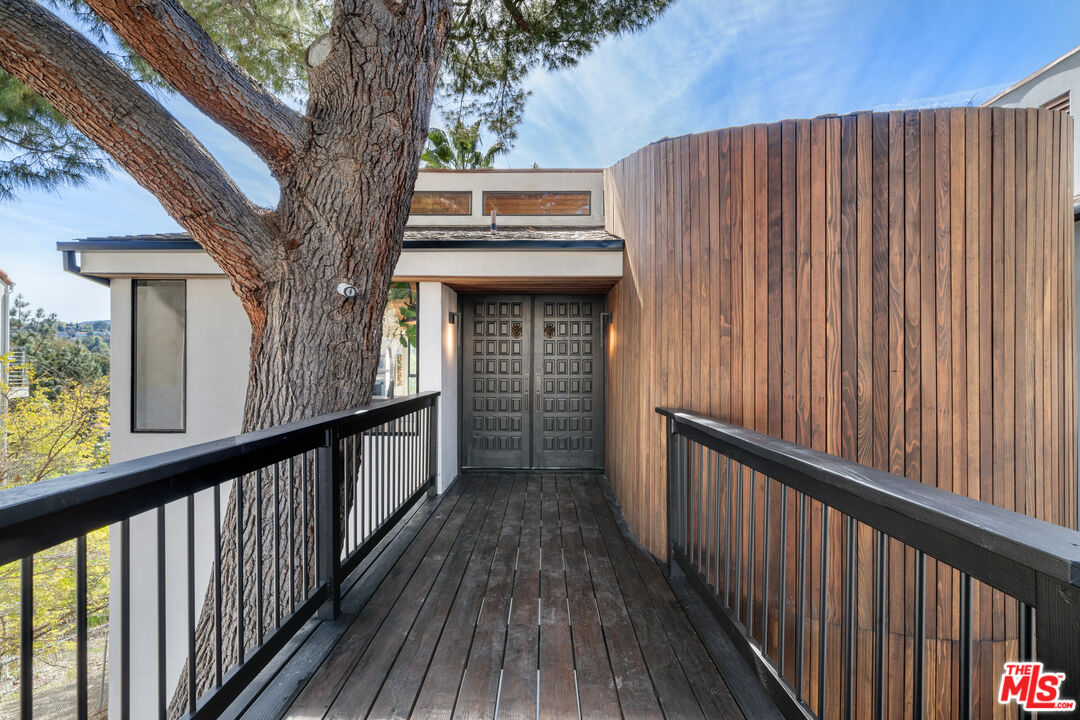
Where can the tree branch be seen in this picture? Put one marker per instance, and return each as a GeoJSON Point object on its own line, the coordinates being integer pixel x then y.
{"type": "Point", "coordinates": [174, 44]}
{"type": "Point", "coordinates": [517, 17]}
{"type": "Point", "coordinates": [99, 98]}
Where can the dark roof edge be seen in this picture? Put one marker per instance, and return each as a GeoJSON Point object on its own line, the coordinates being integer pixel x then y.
{"type": "Point", "coordinates": [501, 244]}
{"type": "Point", "coordinates": [134, 244]}
{"type": "Point", "coordinates": [107, 244]}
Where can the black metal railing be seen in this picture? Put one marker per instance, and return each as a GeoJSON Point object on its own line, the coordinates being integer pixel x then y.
{"type": "Point", "coordinates": [817, 568]}
{"type": "Point", "coordinates": [306, 502]}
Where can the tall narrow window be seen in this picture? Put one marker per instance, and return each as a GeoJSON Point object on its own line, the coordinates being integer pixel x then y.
{"type": "Point", "coordinates": [159, 329]}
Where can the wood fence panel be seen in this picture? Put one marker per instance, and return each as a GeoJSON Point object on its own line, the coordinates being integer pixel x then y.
{"type": "Point", "coordinates": [896, 288]}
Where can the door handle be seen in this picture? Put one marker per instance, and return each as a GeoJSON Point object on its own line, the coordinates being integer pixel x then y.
{"type": "Point", "coordinates": [537, 383]}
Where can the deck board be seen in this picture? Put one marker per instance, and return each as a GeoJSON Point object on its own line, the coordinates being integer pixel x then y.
{"type": "Point", "coordinates": [520, 596]}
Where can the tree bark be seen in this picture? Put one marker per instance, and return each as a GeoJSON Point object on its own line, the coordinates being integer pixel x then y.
{"type": "Point", "coordinates": [346, 185]}
{"type": "Point", "coordinates": [167, 38]}
{"type": "Point", "coordinates": [99, 98]}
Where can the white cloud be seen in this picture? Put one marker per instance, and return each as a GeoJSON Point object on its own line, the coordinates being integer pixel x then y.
{"type": "Point", "coordinates": [698, 67]}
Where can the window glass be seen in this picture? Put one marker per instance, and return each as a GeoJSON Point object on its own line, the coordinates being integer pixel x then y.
{"type": "Point", "coordinates": [537, 203]}
{"type": "Point", "coordinates": [158, 342]}
{"type": "Point", "coordinates": [399, 358]}
{"type": "Point", "coordinates": [441, 202]}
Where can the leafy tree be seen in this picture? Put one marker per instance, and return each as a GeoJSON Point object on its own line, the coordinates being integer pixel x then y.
{"type": "Point", "coordinates": [346, 164]}
{"type": "Point", "coordinates": [459, 149]}
{"type": "Point", "coordinates": [406, 312]}
{"type": "Point", "coordinates": [57, 360]}
{"type": "Point", "coordinates": [50, 435]}
{"type": "Point", "coordinates": [40, 149]}
{"type": "Point", "coordinates": [47, 436]}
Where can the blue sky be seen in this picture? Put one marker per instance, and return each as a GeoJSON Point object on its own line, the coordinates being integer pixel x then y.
{"type": "Point", "coordinates": [705, 64]}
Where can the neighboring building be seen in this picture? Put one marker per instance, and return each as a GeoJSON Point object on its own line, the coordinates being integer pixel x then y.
{"type": "Point", "coordinates": [5, 308]}
{"type": "Point", "coordinates": [13, 372]}
{"type": "Point", "coordinates": [1053, 87]}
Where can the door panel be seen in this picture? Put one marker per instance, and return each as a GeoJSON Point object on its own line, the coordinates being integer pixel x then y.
{"type": "Point", "coordinates": [532, 382]}
{"type": "Point", "coordinates": [495, 378]}
{"type": "Point", "coordinates": [568, 385]}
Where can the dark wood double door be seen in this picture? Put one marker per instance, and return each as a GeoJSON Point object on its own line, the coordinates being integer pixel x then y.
{"type": "Point", "coordinates": [532, 381]}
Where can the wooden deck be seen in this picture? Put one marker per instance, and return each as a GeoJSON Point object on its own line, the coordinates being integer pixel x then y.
{"type": "Point", "coordinates": [511, 596]}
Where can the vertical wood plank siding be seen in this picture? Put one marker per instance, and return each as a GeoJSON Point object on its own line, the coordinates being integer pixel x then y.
{"type": "Point", "coordinates": [895, 288]}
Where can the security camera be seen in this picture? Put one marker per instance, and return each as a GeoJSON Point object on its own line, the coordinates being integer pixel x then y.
{"type": "Point", "coordinates": [347, 290]}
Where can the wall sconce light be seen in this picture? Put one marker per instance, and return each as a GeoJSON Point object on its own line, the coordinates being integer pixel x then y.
{"type": "Point", "coordinates": [453, 316]}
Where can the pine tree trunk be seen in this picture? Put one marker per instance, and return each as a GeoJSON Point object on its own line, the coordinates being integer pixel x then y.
{"type": "Point", "coordinates": [341, 218]}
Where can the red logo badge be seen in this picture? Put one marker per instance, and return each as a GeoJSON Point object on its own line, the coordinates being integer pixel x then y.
{"type": "Point", "coordinates": [1033, 689]}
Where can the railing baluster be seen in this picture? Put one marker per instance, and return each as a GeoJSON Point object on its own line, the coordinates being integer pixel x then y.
{"type": "Point", "coordinates": [669, 448]}
{"type": "Point", "coordinates": [881, 593]}
{"type": "Point", "coordinates": [432, 453]}
{"type": "Point", "coordinates": [403, 470]}
{"type": "Point", "coordinates": [766, 562]}
{"type": "Point", "coordinates": [125, 619]}
{"type": "Point", "coordinates": [738, 545]}
{"type": "Point", "coordinates": [26, 637]}
{"type": "Point", "coordinates": [692, 507]}
{"type": "Point", "coordinates": [702, 508]}
{"type": "Point", "coordinates": [240, 570]}
{"type": "Point", "coordinates": [710, 523]}
{"type": "Point", "coordinates": [963, 700]}
{"type": "Point", "coordinates": [82, 696]}
{"type": "Point", "coordinates": [684, 544]}
{"type": "Point", "coordinates": [849, 617]}
{"type": "Point", "coordinates": [684, 493]}
{"type": "Point", "coordinates": [714, 542]}
{"type": "Point", "coordinates": [781, 622]}
{"type": "Point", "coordinates": [360, 498]}
{"type": "Point", "coordinates": [327, 496]}
{"type": "Point", "coordinates": [691, 482]}
{"type": "Point", "coordinates": [161, 688]}
{"type": "Point", "coordinates": [305, 474]}
{"type": "Point", "coordinates": [277, 544]}
{"type": "Point", "coordinates": [259, 554]}
{"type": "Point", "coordinates": [800, 599]}
{"type": "Point", "coordinates": [292, 535]}
{"type": "Point", "coordinates": [217, 585]}
{"type": "Point", "coordinates": [1026, 632]}
{"type": "Point", "coordinates": [727, 533]}
{"type": "Point", "coordinates": [751, 558]}
{"type": "Point", "coordinates": [374, 481]}
{"type": "Point", "coordinates": [395, 478]}
{"type": "Point", "coordinates": [822, 612]}
{"type": "Point", "coordinates": [191, 602]}
{"type": "Point", "coordinates": [919, 664]}
{"type": "Point", "coordinates": [384, 472]}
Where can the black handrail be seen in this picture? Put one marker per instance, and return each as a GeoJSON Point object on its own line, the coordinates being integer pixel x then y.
{"type": "Point", "coordinates": [379, 459]}
{"type": "Point", "coordinates": [37, 516]}
{"type": "Point", "coordinates": [1034, 561]}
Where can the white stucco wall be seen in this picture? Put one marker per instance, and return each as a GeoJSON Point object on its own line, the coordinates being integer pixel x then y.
{"type": "Point", "coordinates": [218, 338]}
{"type": "Point", "coordinates": [218, 335]}
{"type": "Point", "coordinates": [439, 348]}
{"type": "Point", "coordinates": [1063, 77]}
